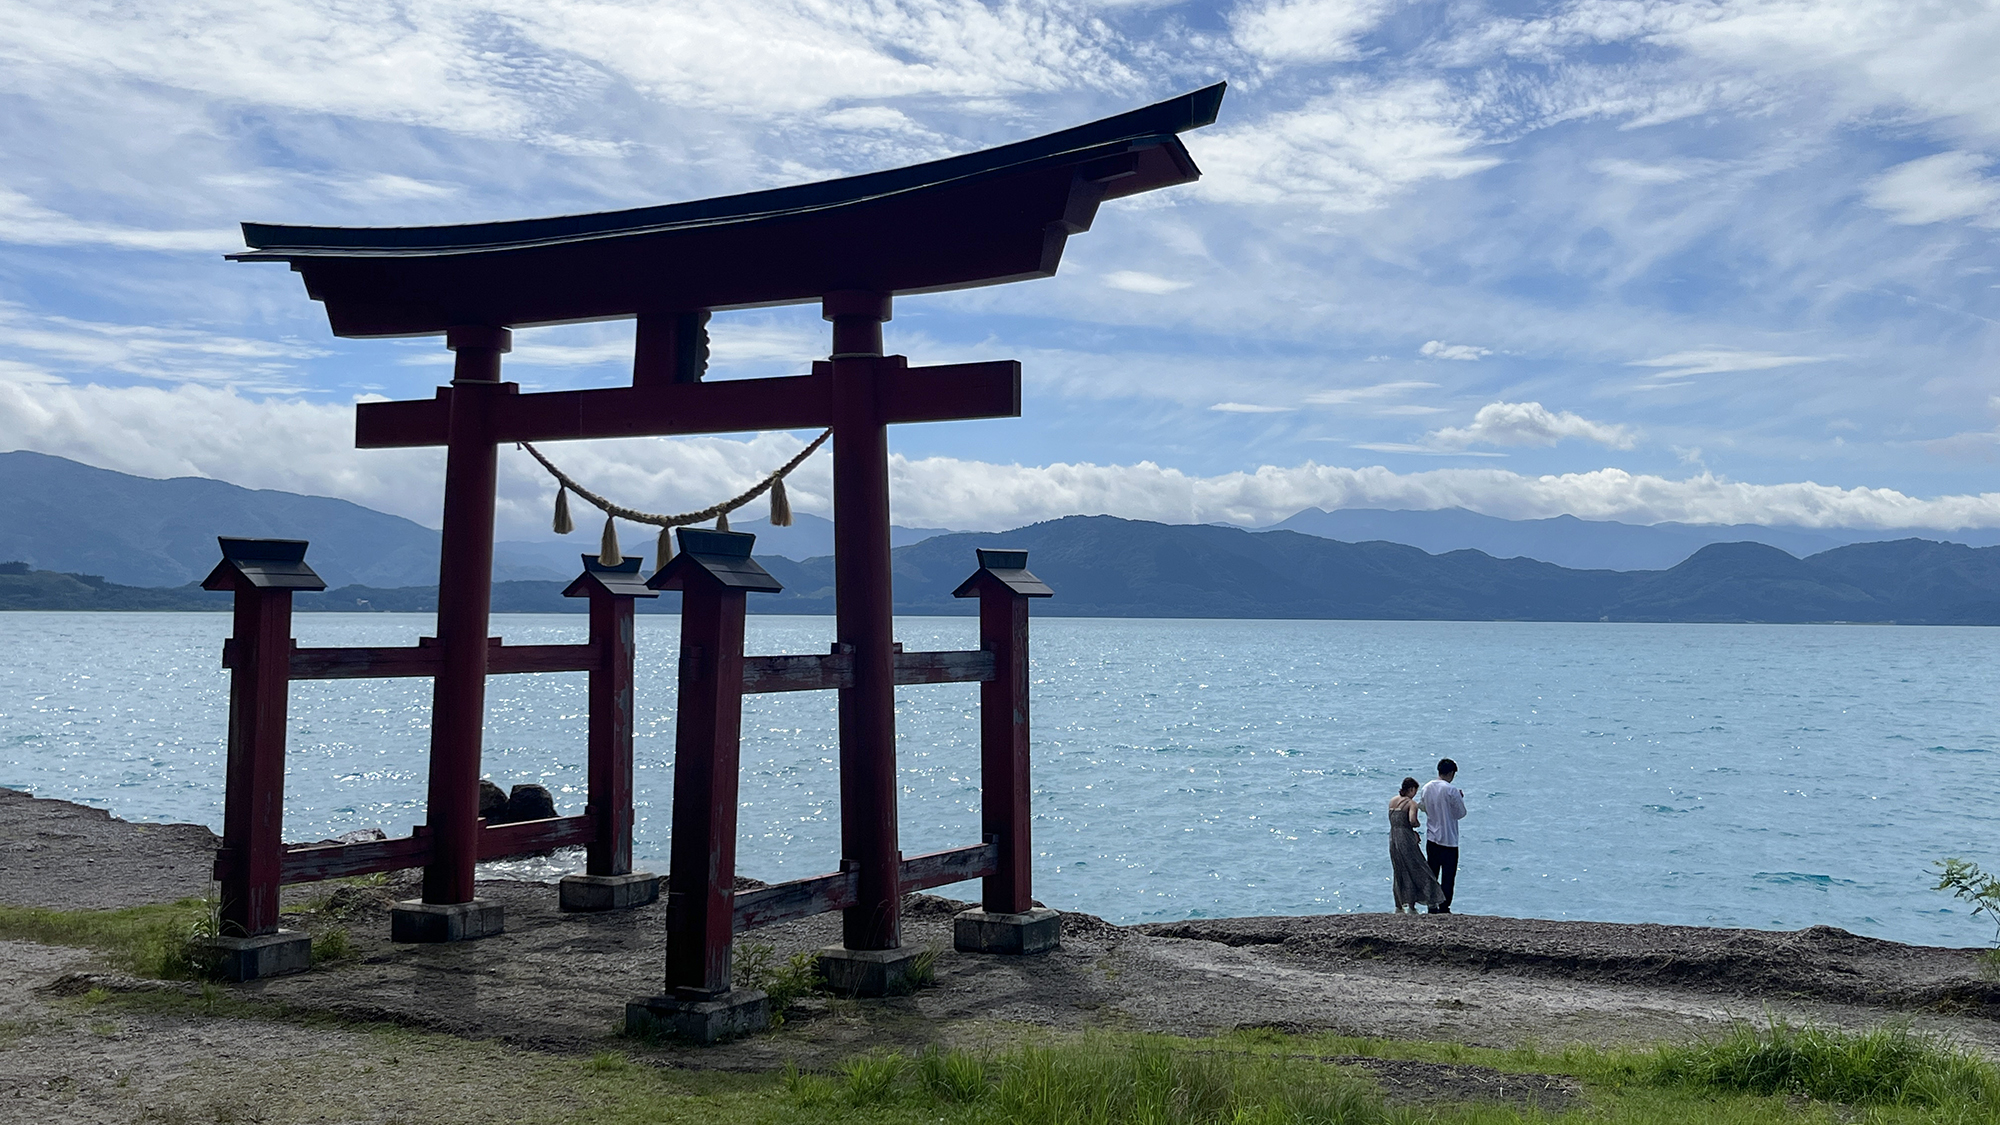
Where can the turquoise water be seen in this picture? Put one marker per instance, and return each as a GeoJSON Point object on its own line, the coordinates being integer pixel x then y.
{"type": "Point", "coordinates": [1755, 775]}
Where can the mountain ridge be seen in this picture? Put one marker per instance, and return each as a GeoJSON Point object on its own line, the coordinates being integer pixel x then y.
{"type": "Point", "coordinates": [1103, 566]}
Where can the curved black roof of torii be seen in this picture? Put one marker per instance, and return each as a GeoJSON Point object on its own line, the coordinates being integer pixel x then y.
{"type": "Point", "coordinates": [1000, 214]}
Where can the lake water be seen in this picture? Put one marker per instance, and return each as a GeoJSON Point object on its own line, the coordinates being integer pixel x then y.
{"type": "Point", "coordinates": [1755, 775]}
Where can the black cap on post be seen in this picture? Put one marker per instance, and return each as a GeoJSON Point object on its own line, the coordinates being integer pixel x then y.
{"type": "Point", "coordinates": [1007, 567]}
{"type": "Point", "coordinates": [724, 556]}
{"type": "Point", "coordinates": [262, 564]}
{"type": "Point", "coordinates": [619, 580]}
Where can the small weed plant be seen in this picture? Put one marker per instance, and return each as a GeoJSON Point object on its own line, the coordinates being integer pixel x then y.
{"type": "Point", "coordinates": [1889, 1066]}
{"type": "Point", "coordinates": [1968, 884]}
{"type": "Point", "coordinates": [756, 966]}
{"type": "Point", "coordinates": [334, 945]}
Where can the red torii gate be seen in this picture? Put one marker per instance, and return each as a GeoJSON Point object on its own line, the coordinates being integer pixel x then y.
{"type": "Point", "coordinates": [998, 215]}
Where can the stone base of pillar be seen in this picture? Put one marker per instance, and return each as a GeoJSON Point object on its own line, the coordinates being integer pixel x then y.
{"type": "Point", "coordinates": [1036, 931]}
{"type": "Point", "coordinates": [741, 1011]}
{"type": "Point", "coordinates": [874, 972]}
{"type": "Point", "coordinates": [418, 921]}
{"type": "Point", "coordinates": [585, 893]}
{"type": "Point", "coordinates": [265, 955]}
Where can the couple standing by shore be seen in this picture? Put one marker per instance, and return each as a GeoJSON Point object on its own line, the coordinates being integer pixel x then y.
{"type": "Point", "coordinates": [1427, 876]}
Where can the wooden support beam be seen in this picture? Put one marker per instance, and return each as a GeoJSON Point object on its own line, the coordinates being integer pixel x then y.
{"type": "Point", "coordinates": [939, 393]}
{"type": "Point", "coordinates": [952, 865]}
{"type": "Point", "coordinates": [314, 862]}
{"type": "Point", "coordinates": [762, 674]}
{"type": "Point", "coordinates": [529, 837]}
{"type": "Point", "coordinates": [804, 898]}
{"type": "Point", "coordinates": [943, 667]}
{"type": "Point", "coordinates": [392, 662]}
{"type": "Point", "coordinates": [800, 898]}
{"type": "Point", "coordinates": [797, 673]}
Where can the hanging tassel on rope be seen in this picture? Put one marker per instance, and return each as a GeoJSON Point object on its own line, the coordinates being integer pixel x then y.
{"type": "Point", "coordinates": [607, 550]}
{"type": "Point", "coordinates": [781, 505]}
{"type": "Point", "coordinates": [563, 523]}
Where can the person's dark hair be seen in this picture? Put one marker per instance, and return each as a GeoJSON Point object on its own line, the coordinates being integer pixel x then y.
{"type": "Point", "coordinates": [1409, 785]}
{"type": "Point", "coordinates": [1446, 767]}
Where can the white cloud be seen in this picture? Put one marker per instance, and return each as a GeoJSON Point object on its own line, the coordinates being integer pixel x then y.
{"type": "Point", "coordinates": [520, 68]}
{"type": "Point", "coordinates": [25, 222]}
{"type": "Point", "coordinates": [1249, 408]}
{"type": "Point", "coordinates": [308, 447]}
{"type": "Point", "coordinates": [1348, 152]}
{"type": "Point", "coordinates": [92, 349]}
{"type": "Point", "coordinates": [1347, 395]}
{"type": "Point", "coordinates": [1936, 189]}
{"type": "Point", "coordinates": [1438, 349]}
{"type": "Point", "coordinates": [1305, 31]}
{"type": "Point", "coordinates": [976, 495]}
{"type": "Point", "coordinates": [1710, 361]}
{"type": "Point", "coordinates": [1134, 281]}
{"type": "Point", "coordinates": [1528, 423]}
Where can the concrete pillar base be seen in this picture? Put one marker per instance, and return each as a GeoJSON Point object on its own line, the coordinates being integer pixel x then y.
{"type": "Point", "coordinates": [873, 972]}
{"type": "Point", "coordinates": [265, 955]}
{"type": "Point", "coordinates": [418, 921]}
{"type": "Point", "coordinates": [584, 893]}
{"type": "Point", "coordinates": [1036, 931]}
{"type": "Point", "coordinates": [740, 1011]}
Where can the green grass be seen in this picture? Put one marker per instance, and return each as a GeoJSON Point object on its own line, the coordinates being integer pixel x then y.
{"type": "Point", "coordinates": [1889, 1066]}
{"type": "Point", "coordinates": [1038, 1077]}
{"type": "Point", "coordinates": [159, 940]}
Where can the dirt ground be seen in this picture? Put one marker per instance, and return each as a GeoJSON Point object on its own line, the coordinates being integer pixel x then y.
{"type": "Point", "coordinates": [556, 984]}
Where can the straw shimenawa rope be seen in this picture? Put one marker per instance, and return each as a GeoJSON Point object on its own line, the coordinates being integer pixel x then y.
{"type": "Point", "coordinates": [781, 508]}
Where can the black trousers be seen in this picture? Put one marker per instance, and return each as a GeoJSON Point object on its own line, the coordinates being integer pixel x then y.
{"type": "Point", "coordinates": [1444, 866]}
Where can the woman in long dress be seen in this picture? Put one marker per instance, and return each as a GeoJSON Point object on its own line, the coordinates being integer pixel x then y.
{"type": "Point", "coordinates": [1413, 879]}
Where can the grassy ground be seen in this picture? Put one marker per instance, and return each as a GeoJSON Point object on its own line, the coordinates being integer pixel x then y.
{"type": "Point", "coordinates": [306, 1062]}
{"type": "Point", "coordinates": [1754, 1076]}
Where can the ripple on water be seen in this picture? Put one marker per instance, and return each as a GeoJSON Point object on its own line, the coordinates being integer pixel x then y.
{"type": "Point", "coordinates": [1222, 767]}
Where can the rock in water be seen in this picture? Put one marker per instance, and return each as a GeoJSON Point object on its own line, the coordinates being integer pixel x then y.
{"type": "Point", "coordinates": [530, 802]}
{"type": "Point", "coordinates": [492, 802]}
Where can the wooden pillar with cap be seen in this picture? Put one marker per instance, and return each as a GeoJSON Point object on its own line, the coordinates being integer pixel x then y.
{"type": "Point", "coordinates": [714, 572]}
{"type": "Point", "coordinates": [458, 691]}
{"type": "Point", "coordinates": [608, 881]}
{"type": "Point", "coordinates": [864, 619]}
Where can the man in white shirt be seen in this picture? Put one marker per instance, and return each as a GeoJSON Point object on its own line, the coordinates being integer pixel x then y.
{"type": "Point", "coordinates": [1444, 805]}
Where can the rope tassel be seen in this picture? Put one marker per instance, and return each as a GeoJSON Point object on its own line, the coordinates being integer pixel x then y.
{"type": "Point", "coordinates": [564, 525]}
{"type": "Point", "coordinates": [781, 504]}
{"type": "Point", "coordinates": [666, 549]}
{"type": "Point", "coordinates": [607, 550]}
{"type": "Point", "coordinates": [722, 521]}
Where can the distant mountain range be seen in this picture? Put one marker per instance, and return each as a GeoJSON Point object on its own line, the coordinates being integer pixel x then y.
{"type": "Point", "coordinates": [65, 516]}
{"type": "Point", "coordinates": [1101, 566]}
{"type": "Point", "coordinates": [92, 538]}
{"type": "Point", "coordinates": [1587, 544]}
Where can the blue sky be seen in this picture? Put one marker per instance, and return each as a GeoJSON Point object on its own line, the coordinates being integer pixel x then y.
{"type": "Point", "coordinates": [1632, 259]}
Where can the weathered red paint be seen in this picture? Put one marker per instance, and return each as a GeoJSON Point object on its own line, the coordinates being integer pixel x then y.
{"type": "Point", "coordinates": [254, 802]}
{"type": "Point", "coordinates": [465, 589]}
{"type": "Point", "coordinates": [610, 737]}
{"type": "Point", "coordinates": [864, 623]}
{"type": "Point", "coordinates": [1003, 749]}
{"type": "Point", "coordinates": [707, 740]}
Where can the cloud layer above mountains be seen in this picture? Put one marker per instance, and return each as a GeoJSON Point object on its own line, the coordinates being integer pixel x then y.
{"type": "Point", "coordinates": [1634, 259]}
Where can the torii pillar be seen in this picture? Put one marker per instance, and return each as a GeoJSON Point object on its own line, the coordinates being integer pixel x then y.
{"type": "Point", "coordinates": [872, 929]}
